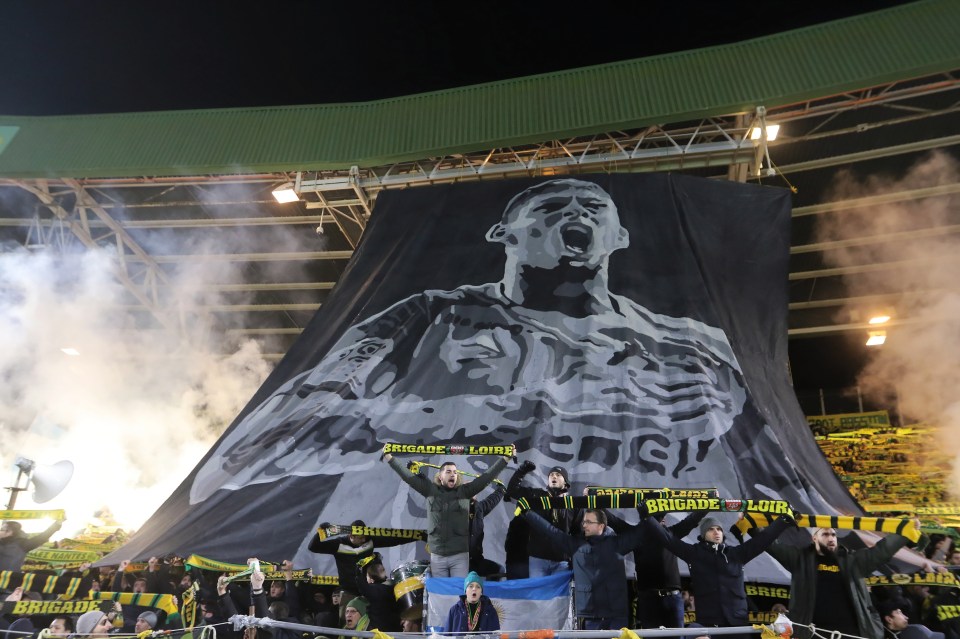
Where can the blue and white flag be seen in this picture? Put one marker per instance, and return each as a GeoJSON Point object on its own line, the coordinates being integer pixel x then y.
{"type": "Point", "coordinates": [522, 604]}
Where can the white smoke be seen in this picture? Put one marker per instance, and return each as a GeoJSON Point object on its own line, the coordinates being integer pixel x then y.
{"type": "Point", "coordinates": [135, 410]}
{"type": "Point", "coordinates": [916, 367]}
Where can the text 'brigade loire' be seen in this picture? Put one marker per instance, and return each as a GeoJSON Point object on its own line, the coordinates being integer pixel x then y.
{"type": "Point", "coordinates": [442, 449]}
{"type": "Point", "coordinates": [722, 505]}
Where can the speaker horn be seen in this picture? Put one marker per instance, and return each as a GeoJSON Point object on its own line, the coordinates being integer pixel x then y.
{"type": "Point", "coordinates": [49, 481]}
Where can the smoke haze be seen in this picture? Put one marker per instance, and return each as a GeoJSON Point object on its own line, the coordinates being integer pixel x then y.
{"type": "Point", "coordinates": [917, 365]}
{"type": "Point", "coordinates": [137, 408]}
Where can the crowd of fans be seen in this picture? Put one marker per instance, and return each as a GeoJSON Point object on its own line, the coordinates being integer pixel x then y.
{"type": "Point", "coordinates": [539, 543]}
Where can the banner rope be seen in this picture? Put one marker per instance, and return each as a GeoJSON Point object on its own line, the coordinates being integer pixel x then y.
{"type": "Point", "coordinates": [830, 634]}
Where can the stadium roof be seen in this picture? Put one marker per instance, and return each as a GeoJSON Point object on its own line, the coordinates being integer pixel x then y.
{"type": "Point", "coordinates": [907, 41]}
{"type": "Point", "coordinates": [170, 191]}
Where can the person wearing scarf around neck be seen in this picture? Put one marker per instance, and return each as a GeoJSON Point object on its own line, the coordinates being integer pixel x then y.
{"type": "Point", "coordinates": [474, 612]}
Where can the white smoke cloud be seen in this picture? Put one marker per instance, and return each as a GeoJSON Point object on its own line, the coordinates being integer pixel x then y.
{"type": "Point", "coordinates": [135, 410]}
{"type": "Point", "coordinates": [917, 365]}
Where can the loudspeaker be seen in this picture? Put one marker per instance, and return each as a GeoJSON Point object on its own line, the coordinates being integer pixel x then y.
{"type": "Point", "coordinates": [49, 481]}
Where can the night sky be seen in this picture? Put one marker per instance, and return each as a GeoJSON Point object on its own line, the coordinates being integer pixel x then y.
{"type": "Point", "coordinates": [125, 56]}
{"type": "Point", "coordinates": [100, 57]}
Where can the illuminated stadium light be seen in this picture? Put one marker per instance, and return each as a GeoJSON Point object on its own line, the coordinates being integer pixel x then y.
{"type": "Point", "coordinates": [879, 319]}
{"type": "Point", "coordinates": [772, 131]}
{"type": "Point", "coordinates": [70, 351]}
{"type": "Point", "coordinates": [876, 338]}
{"type": "Point", "coordinates": [285, 193]}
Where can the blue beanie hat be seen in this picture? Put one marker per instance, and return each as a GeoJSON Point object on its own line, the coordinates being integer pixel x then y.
{"type": "Point", "coordinates": [472, 578]}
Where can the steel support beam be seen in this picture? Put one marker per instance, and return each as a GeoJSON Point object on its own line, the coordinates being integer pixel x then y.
{"type": "Point", "coordinates": [141, 284]}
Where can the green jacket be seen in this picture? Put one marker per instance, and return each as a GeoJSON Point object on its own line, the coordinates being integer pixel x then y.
{"type": "Point", "coordinates": [854, 565]}
{"type": "Point", "coordinates": [448, 516]}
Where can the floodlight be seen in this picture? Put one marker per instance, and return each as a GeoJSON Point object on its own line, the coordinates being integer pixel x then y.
{"type": "Point", "coordinates": [879, 319]}
{"type": "Point", "coordinates": [876, 338]}
{"type": "Point", "coordinates": [70, 351]}
{"type": "Point", "coordinates": [772, 131]}
{"type": "Point", "coordinates": [285, 193]}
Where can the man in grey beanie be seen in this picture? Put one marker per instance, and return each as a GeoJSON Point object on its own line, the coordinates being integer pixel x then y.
{"type": "Point", "coordinates": [94, 623]}
{"type": "Point", "coordinates": [146, 621]}
{"type": "Point", "coordinates": [717, 569]}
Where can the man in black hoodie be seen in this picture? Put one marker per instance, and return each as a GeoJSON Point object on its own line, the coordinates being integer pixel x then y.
{"type": "Point", "coordinates": [546, 558]}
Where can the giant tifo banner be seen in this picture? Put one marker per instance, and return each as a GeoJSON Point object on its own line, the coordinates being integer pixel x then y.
{"type": "Point", "coordinates": [631, 328]}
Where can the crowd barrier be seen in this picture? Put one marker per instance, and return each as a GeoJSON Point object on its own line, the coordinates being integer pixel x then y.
{"type": "Point", "coordinates": [246, 621]}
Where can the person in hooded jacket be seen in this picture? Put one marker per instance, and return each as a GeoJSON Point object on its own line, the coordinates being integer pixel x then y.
{"type": "Point", "coordinates": [348, 549]}
{"type": "Point", "coordinates": [716, 569]}
{"type": "Point", "coordinates": [479, 509]}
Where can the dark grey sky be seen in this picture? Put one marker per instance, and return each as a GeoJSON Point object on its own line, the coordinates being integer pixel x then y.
{"type": "Point", "coordinates": [116, 56]}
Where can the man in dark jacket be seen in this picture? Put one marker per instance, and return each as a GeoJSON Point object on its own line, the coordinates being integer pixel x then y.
{"type": "Point", "coordinates": [896, 625]}
{"type": "Point", "coordinates": [827, 587]}
{"type": "Point", "coordinates": [374, 587]}
{"type": "Point", "coordinates": [479, 509]}
{"type": "Point", "coordinates": [347, 549]}
{"type": "Point", "coordinates": [448, 506]}
{"type": "Point", "coordinates": [474, 612]}
{"type": "Point", "coordinates": [598, 572]}
{"type": "Point", "coordinates": [544, 558]}
{"type": "Point", "coordinates": [15, 544]}
{"type": "Point", "coordinates": [659, 602]}
{"type": "Point", "coordinates": [716, 568]}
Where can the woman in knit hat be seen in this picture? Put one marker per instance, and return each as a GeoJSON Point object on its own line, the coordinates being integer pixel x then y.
{"type": "Point", "coordinates": [474, 611]}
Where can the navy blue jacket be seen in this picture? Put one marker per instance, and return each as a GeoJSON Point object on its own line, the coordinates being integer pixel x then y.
{"type": "Point", "coordinates": [457, 617]}
{"type": "Point", "coordinates": [598, 572]}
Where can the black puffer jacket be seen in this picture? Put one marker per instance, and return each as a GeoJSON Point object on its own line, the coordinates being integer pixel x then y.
{"type": "Point", "coordinates": [717, 570]}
